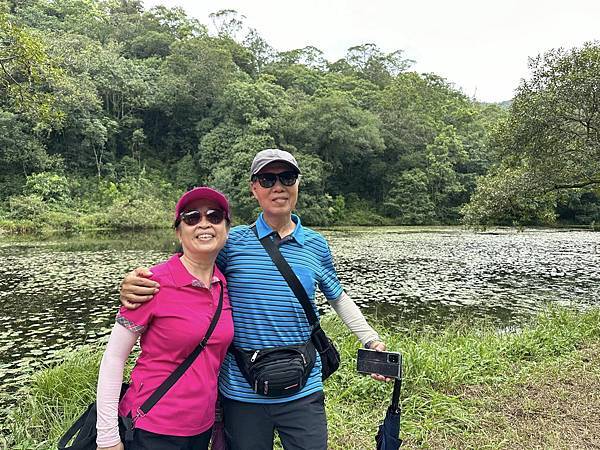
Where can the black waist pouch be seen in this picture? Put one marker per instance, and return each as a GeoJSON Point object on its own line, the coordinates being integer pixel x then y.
{"type": "Point", "coordinates": [277, 371]}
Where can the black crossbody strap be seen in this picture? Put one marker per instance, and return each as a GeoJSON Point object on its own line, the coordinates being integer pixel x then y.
{"type": "Point", "coordinates": [289, 275]}
{"type": "Point", "coordinates": [177, 373]}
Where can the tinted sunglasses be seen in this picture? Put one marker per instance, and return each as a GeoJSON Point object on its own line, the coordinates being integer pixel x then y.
{"type": "Point", "coordinates": [268, 180]}
{"type": "Point", "coordinates": [194, 217]}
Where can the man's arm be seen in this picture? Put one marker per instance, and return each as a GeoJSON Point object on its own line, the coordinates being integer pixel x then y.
{"type": "Point", "coordinates": [354, 319]}
{"type": "Point", "coordinates": [137, 288]}
{"type": "Point", "coordinates": [345, 308]}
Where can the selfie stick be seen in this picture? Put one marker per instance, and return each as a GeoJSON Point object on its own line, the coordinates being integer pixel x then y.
{"type": "Point", "coordinates": [396, 394]}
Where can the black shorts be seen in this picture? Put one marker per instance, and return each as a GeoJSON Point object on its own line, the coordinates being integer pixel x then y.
{"type": "Point", "coordinates": [145, 440]}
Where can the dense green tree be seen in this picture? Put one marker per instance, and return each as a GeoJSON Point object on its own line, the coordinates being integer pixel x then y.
{"type": "Point", "coordinates": [50, 187]}
{"type": "Point", "coordinates": [25, 73]}
{"type": "Point", "coordinates": [186, 173]}
{"type": "Point", "coordinates": [409, 198]}
{"type": "Point", "coordinates": [232, 175]}
{"type": "Point", "coordinates": [190, 81]}
{"type": "Point", "coordinates": [341, 134]}
{"type": "Point", "coordinates": [315, 205]}
{"type": "Point", "coordinates": [296, 77]}
{"type": "Point", "coordinates": [245, 102]}
{"type": "Point", "coordinates": [503, 197]}
{"type": "Point", "coordinates": [364, 94]}
{"type": "Point", "coordinates": [21, 154]}
{"type": "Point", "coordinates": [176, 22]}
{"type": "Point", "coordinates": [309, 57]}
{"type": "Point", "coordinates": [550, 141]}
{"type": "Point", "coordinates": [121, 108]}
{"type": "Point", "coordinates": [444, 154]}
{"type": "Point", "coordinates": [579, 206]}
{"type": "Point", "coordinates": [216, 146]}
{"type": "Point", "coordinates": [369, 62]}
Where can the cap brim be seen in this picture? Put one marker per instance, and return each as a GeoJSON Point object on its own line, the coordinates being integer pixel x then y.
{"type": "Point", "coordinates": [202, 193]}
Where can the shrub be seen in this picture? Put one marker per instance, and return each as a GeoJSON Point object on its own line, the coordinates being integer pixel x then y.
{"type": "Point", "coordinates": [138, 213]}
{"type": "Point", "coordinates": [50, 187]}
{"type": "Point", "coordinates": [26, 207]}
{"type": "Point", "coordinates": [61, 220]}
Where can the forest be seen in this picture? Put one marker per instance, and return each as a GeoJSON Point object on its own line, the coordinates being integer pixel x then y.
{"type": "Point", "coordinates": [109, 111]}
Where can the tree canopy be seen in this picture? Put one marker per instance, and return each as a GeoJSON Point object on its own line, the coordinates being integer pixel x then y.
{"type": "Point", "coordinates": [549, 145]}
{"type": "Point", "coordinates": [129, 106]}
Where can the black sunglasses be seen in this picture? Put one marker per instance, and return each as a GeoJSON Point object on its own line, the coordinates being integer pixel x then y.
{"type": "Point", "coordinates": [268, 180]}
{"type": "Point", "coordinates": [191, 218]}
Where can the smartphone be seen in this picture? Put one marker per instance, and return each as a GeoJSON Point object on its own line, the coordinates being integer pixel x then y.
{"type": "Point", "coordinates": [388, 364]}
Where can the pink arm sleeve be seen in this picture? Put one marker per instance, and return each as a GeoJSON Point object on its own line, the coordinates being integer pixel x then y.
{"type": "Point", "coordinates": [119, 347]}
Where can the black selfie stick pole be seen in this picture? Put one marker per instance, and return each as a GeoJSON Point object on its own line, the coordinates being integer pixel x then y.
{"type": "Point", "coordinates": [396, 395]}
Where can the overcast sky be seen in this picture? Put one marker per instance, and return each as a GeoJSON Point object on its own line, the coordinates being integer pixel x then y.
{"type": "Point", "coordinates": [480, 46]}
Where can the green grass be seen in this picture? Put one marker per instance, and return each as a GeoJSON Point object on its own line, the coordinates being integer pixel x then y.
{"type": "Point", "coordinates": [439, 367]}
{"type": "Point", "coordinates": [56, 397]}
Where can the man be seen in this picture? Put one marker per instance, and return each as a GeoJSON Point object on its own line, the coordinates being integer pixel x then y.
{"type": "Point", "coordinates": [267, 314]}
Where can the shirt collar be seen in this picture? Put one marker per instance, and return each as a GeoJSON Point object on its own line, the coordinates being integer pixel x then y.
{"type": "Point", "coordinates": [263, 229]}
{"type": "Point", "coordinates": [181, 277]}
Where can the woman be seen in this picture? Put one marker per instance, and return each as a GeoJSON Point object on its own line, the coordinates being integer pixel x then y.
{"type": "Point", "coordinates": [170, 327]}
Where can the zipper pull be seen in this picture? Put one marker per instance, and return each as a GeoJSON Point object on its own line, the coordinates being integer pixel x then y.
{"type": "Point", "coordinates": [254, 356]}
{"type": "Point", "coordinates": [266, 387]}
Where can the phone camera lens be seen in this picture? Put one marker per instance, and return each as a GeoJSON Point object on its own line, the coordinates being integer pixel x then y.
{"type": "Point", "coordinates": [393, 359]}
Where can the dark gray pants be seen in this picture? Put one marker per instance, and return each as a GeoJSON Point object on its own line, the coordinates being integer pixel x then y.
{"type": "Point", "coordinates": [301, 424]}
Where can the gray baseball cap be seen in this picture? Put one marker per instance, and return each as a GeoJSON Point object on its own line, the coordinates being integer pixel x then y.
{"type": "Point", "coordinates": [270, 155]}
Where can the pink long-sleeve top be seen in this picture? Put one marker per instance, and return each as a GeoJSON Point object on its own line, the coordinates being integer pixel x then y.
{"type": "Point", "coordinates": [170, 325]}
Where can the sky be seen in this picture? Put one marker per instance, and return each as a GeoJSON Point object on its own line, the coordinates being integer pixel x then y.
{"type": "Point", "coordinates": [481, 46]}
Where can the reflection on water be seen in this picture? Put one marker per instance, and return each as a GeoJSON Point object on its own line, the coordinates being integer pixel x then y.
{"type": "Point", "coordinates": [63, 291]}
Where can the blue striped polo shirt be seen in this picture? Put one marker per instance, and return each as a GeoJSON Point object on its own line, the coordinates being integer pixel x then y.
{"type": "Point", "coordinates": [266, 313]}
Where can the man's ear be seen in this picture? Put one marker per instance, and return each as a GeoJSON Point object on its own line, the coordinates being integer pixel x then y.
{"type": "Point", "coordinates": [253, 190]}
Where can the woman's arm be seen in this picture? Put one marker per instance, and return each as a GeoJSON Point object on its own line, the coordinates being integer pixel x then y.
{"type": "Point", "coordinates": [110, 378]}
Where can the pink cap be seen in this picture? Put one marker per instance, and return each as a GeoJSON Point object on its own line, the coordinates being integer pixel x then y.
{"type": "Point", "coordinates": [205, 193]}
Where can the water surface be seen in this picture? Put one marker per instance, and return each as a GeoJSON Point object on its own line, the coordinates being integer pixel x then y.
{"type": "Point", "coordinates": [63, 291]}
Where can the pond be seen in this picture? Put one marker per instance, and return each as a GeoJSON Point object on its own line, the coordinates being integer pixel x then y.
{"type": "Point", "coordinates": [63, 291]}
